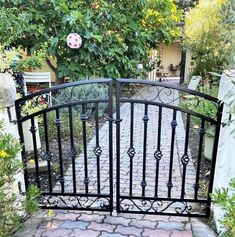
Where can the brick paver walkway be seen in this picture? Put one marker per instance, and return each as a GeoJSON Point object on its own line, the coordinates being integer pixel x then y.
{"type": "Point", "coordinates": [91, 224]}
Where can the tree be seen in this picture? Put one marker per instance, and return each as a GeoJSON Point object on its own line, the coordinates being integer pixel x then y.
{"type": "Point", "coordinates": [205, 36]}
{"type": "Point", "coordinates": [186, 5]}
{"type": "Point", "coordinates": [117, 35]}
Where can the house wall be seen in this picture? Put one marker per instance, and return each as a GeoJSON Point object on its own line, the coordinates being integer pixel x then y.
{"type": "Point", "coordinates": [46, 68]}
{"type": "Point", "coordinates": [170, 54]}
{"type": "Point", "coordinates": [225, 164]}
{"type": "Point", "coordinates": [7, 98]}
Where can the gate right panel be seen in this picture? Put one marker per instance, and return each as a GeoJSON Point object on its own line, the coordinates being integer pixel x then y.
{"type": "Point", "coordinates": [161, 133]}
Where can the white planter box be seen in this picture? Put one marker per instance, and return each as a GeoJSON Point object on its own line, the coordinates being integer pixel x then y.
{"type": "Point", "coordinates": [28, 138]}
{"type": "Point", "coordinates": [208, 149]}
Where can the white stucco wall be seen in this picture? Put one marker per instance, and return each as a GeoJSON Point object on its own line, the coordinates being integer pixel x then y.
{"type": "Point", "coordinates": [225, 165]}
{"type": "Point", "coordinates": [7, 97]}
{"type": "Point", "coordinates": [170, 54]}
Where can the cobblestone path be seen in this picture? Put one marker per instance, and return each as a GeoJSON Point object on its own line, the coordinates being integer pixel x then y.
{"type": "Point", "coordinates": [92, 224]}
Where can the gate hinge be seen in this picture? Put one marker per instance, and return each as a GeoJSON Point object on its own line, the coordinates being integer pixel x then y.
{"type": "Point", "coordinates": [20, 189]}
{"type": "Point", "coordinates": [10, 117]}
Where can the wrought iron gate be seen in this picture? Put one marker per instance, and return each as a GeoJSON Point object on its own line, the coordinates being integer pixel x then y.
{"type": "Point", "coordinates": [147, 179]}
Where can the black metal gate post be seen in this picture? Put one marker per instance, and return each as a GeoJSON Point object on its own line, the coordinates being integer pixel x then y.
{"type": "Point", "coordinates": [118, 120]}
{"type": "Point", "coordinates": [214, 156]}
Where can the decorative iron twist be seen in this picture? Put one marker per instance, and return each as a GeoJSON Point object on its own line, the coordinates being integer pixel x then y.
{"type": "Point", "coordinates": [131, 152]}
{"type": "Point", "coordinates": [185, 159]}
{"type": "Point", "coordinates": [158, 155]}
{"type": "Point", "coordinates": [98, 151]}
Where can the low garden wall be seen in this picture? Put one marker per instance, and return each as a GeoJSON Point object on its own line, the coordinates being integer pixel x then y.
{"type": "Point", "coordinates": [225, 165]}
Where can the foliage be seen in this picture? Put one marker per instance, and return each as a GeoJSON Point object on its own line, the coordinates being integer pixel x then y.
{"type": "Point", "coordinates": [186, 5]}
{"type": "Point", "coordinates": [228, 22]}
{"type": "Point", "coordinates": [33, 106]}
{"type": "Point", "coordinates": [6, 59]}
{"type": "Point", "coordinates": [205, 35]}
{"type": "Point", "coordinates": [204, 107]}
{"type": "Point", "coordinates": [225, 198]}
{"type": "Point", "coordinates": [86, 92]}
{"type": "Point", "coordinates": [12, 61]}
{"type": "Point", "coordinates": [64, 128]}
{"type": "Point", "coordinates": [31, 205]}
{"type": "Point", "coordinates": [117, 35]}
{"type": "Point", "coordinates": [32, 62]}
{"type": "Point", "coordinates": [10, 165]}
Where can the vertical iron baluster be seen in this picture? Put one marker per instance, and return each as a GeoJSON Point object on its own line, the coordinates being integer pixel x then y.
{"type": "Point", "coordinates": [118, 145]}
{"type": "Point", "coordinates": [131, 150]}
{"type": "Point", "coordinates": [18, 108]}
{"type": "Point", "coordinates": [214, 154]}
{"type": "Point", "coordinates": [58, 124]}
{"type": "Point", "coordinates": [84, 119]}
{"type": "Point", "coordinates": [72, 152]}
{"type": "Point", "coordinates": [48, 153]}
{"type": "Point", "coordinates": [33, 130]}
{"type": "Point", "coordinates": [158, 153]}
{"type": "Point", "coordinates": [173, 125]}
{"type": "Point", "coordinates": [185, 157]}
{"type": "Point", "coordinates": [201, 134]}
{"type": "Point", "coordinates": [97, 150]}
{"type": "Point", "coordinates": [145, 119]}
{"type": "Point", "coordinates": [111, 145]}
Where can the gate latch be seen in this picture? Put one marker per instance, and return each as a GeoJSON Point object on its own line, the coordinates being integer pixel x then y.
{"type": "Point", "coordinates": [115, 121]}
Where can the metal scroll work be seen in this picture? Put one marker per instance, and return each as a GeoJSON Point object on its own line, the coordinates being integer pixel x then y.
{"type": "Point", "coordinates": [170, 96]}
{"type": "Point", "coordinates": [156, 206]}
{"type": "Point", "coordinates": [74, 202]}
{"type": "Point", "coordinates": [159, 178]}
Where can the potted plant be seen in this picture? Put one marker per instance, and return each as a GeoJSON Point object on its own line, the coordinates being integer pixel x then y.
{"type": "Point", "coordinates": [209, 141]}
{"type": "Point", "coordinates": [209, 109]}
{"type": "Point", "coordinates": [31, 107]}
{"type": "Point", "coordinates": [173, 69]}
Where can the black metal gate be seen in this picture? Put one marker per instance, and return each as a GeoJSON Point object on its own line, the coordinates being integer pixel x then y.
{"type": "Point", "coordinates": [151, 179]}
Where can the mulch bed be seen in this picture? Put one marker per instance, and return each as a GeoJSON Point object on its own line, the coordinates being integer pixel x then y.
{"type": "Point", "coordinates": [55, 170]}
{"type": "Point", "coordinates": [205, 164]}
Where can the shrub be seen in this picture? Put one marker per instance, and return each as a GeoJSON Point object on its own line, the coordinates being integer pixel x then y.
{"type": "Point", "coordinates": [64, 128]}
{"type": "Point", "coordinates": [85, 92]}
{"type": "Point", "coordinates": [225, 198]}
{"type": "Point", "coordinates": [10, 165]}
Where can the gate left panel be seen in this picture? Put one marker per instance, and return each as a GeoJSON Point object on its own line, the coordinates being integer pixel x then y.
{"type": "Point", "coordinates": [65, 153]}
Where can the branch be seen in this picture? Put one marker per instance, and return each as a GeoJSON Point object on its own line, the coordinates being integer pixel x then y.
{"type": "Point", "coordinates": [52, 67]}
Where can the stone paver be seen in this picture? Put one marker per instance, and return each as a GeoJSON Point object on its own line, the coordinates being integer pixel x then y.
{"type": "Point", "coordinates": [85, 233]}
{"type": "Point", "coordinates": [56, 233]}
{"type": "Point", "coordinates": [157, 233]}
{"type": "Point", "coordinates": [75, 225]}
{"type": "Point", "coordinates": [102, 227]}
{"type": "Point", "coordinates": [128, 230]}
{"type": "Point", "coordinates": [181, 233]}
{"type": "Point", "coordinates": [82, 223]}
{"type": "Point", "coordinates": [172, 226]}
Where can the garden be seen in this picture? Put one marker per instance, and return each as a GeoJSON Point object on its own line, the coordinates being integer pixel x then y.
{"type": "Point", "coordinates": [115, 38]}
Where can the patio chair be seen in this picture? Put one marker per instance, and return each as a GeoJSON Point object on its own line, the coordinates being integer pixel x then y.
{"type": "Point", "coordinates": [36, 78]}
